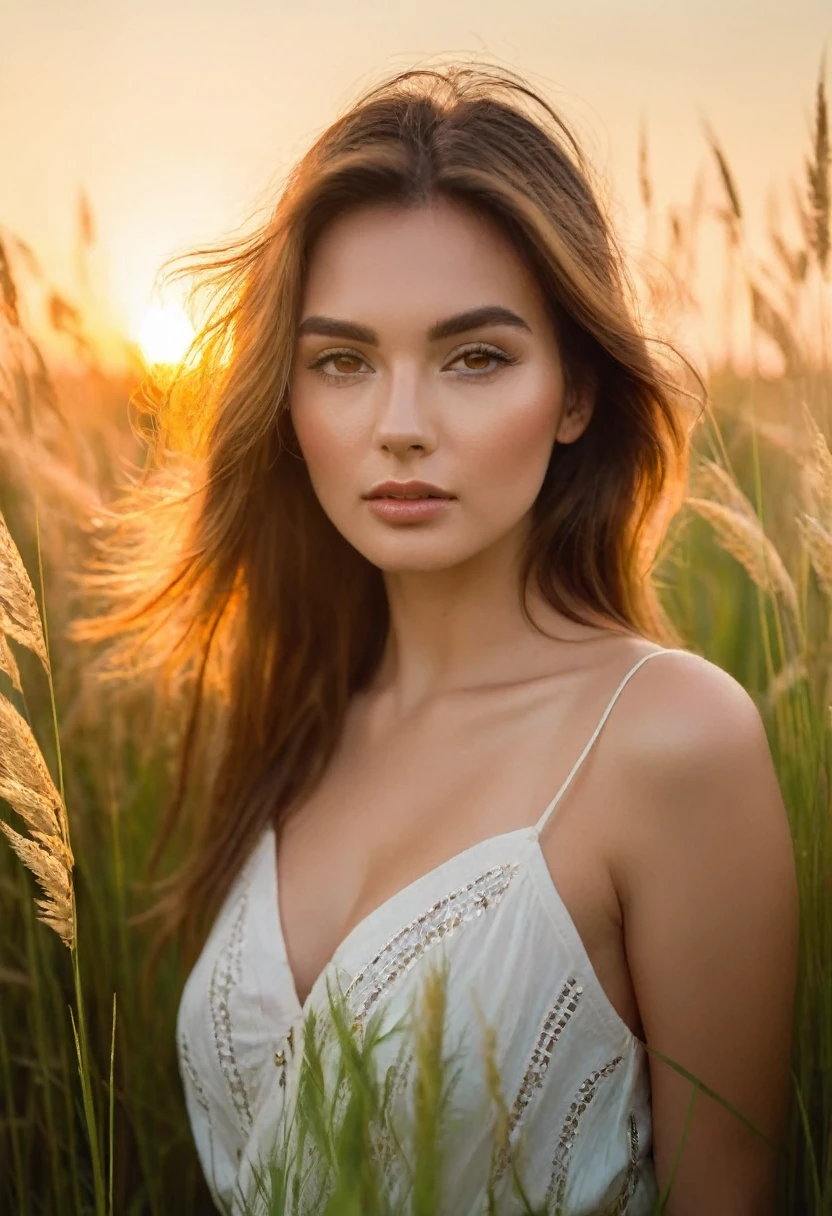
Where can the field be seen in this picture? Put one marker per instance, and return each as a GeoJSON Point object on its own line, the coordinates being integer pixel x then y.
{"type": "Point", "coordinates": [745, 573]}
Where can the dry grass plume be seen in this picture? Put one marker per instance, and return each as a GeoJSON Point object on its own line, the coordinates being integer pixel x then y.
{"type": "Point", "coordinates": [815, 522]}
{"type": "Point", "coordinates": [746, 541]}
{"type": "Point", "coordinates": [25, 782]}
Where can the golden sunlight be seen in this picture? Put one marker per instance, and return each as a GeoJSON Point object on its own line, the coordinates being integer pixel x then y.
{"type": "Point", "coordinates": [164, 333]}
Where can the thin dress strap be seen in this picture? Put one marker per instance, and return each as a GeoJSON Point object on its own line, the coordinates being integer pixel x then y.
{"type": "Point", "coordinates": [544, 817]}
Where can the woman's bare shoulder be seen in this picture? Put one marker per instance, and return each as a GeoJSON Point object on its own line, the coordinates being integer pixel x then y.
{"type": "Point", "coordinates": [681, 705]}
{"type": "Point", "coordinates": [691, 750]}
{"type": "Point", "coordinates": [706, 876]}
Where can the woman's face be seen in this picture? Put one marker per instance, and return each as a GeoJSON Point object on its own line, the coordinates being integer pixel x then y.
{"type": "Point", "coordinates": [473, 407]}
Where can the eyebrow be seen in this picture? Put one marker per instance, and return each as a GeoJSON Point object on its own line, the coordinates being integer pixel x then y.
{"type": "Point", "coordinates": [474, 318]}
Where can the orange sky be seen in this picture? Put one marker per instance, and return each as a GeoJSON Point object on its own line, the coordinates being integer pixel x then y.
{"type": "Point", "coordinates": [179, 118]}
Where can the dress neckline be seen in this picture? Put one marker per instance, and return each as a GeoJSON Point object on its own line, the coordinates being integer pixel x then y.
{"type": "Point", "coordinates": [550, 898]}
{"type": "Point", "coordinates": [375, 913]}
{"type": "Point", "coordinates": [545, 884]}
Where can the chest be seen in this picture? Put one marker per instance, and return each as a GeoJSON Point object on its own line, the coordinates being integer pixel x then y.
{"type": "Point", "coordinates": [387, 813]}
{"type": "Point", "coordinates": [554, 1044]}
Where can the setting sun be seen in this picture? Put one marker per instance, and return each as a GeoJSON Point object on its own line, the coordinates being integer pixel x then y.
{"type": "Point", "coordinates": [164, 333]}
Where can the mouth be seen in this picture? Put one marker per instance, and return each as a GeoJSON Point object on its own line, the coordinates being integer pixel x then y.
{"type": "Point", "coordinates": [407, 491]}
{"type": "Point", "coordinates": [409, 508]}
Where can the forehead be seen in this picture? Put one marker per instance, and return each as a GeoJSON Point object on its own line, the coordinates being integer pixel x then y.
{"type": "Point", "coordinates": [443, 257]}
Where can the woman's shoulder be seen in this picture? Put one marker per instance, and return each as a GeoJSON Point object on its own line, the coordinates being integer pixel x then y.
{"type": "Point", "coordinates": [693, 768]}
{"type": "Point", "coordinates": [684, 711]}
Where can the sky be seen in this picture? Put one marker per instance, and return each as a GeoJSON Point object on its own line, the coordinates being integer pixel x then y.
{"type": "Point", "coordinates": [179, 118]}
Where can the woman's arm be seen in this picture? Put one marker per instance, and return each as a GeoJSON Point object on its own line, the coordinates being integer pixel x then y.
{"type": "Point", "coordinates": [709, 893]}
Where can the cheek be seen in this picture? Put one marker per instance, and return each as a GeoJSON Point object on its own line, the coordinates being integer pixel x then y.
{"type": "Point", "coordinates": [329, 440]}
{"type": "Point", "coordinates": [509, 458]}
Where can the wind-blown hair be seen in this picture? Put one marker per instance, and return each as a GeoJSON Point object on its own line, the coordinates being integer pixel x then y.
{"type": "Point", "coordinates": [219, 567]}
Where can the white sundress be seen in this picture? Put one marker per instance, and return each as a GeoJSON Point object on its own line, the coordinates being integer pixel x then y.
{"type": "Point", "coordinates": [573, 1076]}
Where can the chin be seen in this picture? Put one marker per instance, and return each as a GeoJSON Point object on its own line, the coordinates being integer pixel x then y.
{"type": "Point", "coordinates": [417, 555]}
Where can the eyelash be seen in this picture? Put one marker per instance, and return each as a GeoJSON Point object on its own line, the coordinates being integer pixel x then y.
{"type": "Point", "coordinates": [478, 348]}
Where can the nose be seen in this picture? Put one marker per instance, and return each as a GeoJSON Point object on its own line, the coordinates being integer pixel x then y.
{"type": "Point", "coordinates": [403, 417]}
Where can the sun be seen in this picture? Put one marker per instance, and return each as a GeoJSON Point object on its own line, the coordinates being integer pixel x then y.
{"type": "Point", "coordinates": [164, 333]}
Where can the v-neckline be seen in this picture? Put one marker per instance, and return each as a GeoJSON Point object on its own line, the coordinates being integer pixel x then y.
{"type": "Point", "coordinates": [530, 832]}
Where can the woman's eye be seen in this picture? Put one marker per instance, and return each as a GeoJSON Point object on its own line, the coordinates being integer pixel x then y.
{"type": "Point", "coordinates": [352, 363]}
{"type": "Point", "coordinates": [345, 364]}
{"type": "Point", "coordinates": [480, 360]}
{"type": "Point", "coordinates": [477, 358]}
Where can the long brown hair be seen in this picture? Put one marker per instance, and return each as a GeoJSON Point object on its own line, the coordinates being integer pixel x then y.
{"type": "Point", "coordinates": [219, 566]}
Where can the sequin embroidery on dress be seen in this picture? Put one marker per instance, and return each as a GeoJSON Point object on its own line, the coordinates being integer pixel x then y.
{"type": "Point", "coordinates": [409, 944]}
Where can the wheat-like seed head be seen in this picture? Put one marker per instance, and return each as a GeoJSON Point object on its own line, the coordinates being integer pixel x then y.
{"type": "Point", "coordinates": [818, 544]}
{"type": "Point", "coordinates": [8, 663]}
{"type": "Point", "coordinates": [727, 176]}
{"type": "Point", "coordinates": [24, 778]}
{"type": "Point", "coordinates": [25, 782]}
{"type": "Point", "coordinates": [785, 679]}
{"type": "Point", "coordinates": [19, 616]}
{"type": "Point", "coordinates": [816, 479]}
{"type": "Point", "coordinates": [818, 174]}
{"type": "Point", "coordinates": [742, 536]}
{"type": "Point", "coordinates": [722, 487]}
{"type": "Point", "coordinates": [26, 785]}
{"type": "Point", "coordinates": [51, 863]}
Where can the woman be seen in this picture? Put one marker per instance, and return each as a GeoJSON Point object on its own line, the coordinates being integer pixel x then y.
{"type": "Point", "coordinates": [438, 455]}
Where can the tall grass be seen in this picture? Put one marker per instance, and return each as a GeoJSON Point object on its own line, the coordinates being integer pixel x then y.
{"type": "Point", "coordinates": [746, 574]}
{"type": "Point", "coordinates": [45, 850]}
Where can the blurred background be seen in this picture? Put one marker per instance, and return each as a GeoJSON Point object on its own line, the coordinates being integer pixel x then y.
{"type": "Point", "coordinates": [131, 133]}
{"type": "Point", "coordinates": [176, 120]}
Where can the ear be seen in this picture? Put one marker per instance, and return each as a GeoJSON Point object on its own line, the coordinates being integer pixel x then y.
{"type": "Point", "coordinates": [578, 408]}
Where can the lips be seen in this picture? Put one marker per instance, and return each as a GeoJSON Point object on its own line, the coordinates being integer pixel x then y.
{"type": "Point", "coordinates": [407, 490]}
{"type": "Point", "coordinates": [410, 510]}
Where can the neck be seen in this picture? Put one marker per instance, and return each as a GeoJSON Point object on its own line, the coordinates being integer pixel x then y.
{"type": "Point", "coordinates": [464, 628]}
